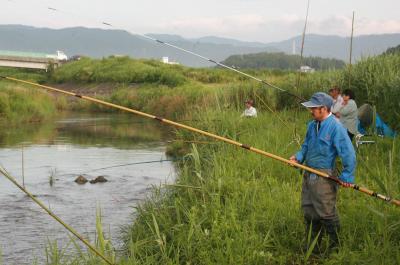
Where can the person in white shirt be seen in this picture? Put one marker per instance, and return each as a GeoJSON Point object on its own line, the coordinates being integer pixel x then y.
{"type": "Point", "coordinates": [348, 113]}
{"type": "Point", "coordinates": [334, 92]}
{"type": "Point", "coordinates": [250, 111]}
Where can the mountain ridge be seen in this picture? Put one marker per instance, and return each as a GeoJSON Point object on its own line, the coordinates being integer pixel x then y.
{"type": "Point", "coordinates": [98, 43]}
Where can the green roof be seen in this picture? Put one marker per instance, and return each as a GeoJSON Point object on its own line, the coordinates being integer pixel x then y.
{"type": "Point", "coordinates": [24, 54]}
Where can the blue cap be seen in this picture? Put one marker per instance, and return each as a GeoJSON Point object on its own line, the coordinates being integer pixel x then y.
{"type": "Point", "coordinates": [319, 99]}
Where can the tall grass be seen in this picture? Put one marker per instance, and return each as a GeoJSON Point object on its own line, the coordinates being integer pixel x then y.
{"type": "Point", "coordinates": [56, 255]}
{"type": "Point", "coordinates": [21, 104]}
{"type": "Point", "coordinates": [18, 103]}
{"type": "Point", "coordinates": [120, 70]}
{"type": "Point", "coordinates": [377, 80]}
{"type": "Point", "coordinates": [234, 207]}
{"type": "Point", "coordinates": [34, 75]}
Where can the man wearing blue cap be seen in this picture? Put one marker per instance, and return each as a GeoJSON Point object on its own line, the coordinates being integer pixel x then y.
{"type": "Point", "coordinates": [326, 139]}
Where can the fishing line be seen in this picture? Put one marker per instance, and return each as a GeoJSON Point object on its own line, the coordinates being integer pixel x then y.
{"type": "Point", "coordinates": [214, 136]}
{"type": "Point", "coordinates": [302, 47]}
{"type": "Point", "coordinates": [299, 98]}
{"type": "Point", "coordinates": [207, 59]}
{"type": "Point", "coordinates": [124, 165]}
{"type": "Point", "coordinates": [165, 43]}
{"type": "Point", "coordinates": [351, 49]}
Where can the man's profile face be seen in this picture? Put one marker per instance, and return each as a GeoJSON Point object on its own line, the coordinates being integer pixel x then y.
{"type": "Point", "coordinates": [318, 113]}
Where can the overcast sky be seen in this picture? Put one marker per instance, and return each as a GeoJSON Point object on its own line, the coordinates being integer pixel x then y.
{"type": "Point", "coordinates": [249, 20]}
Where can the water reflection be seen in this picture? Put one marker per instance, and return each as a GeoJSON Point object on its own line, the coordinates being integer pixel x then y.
{"type": "Point", "coordinates": [115, 130]}
{"type": "Point", "coordinates": [63, 148]}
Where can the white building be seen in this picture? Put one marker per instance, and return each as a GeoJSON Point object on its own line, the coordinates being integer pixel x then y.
{"type": "Point", "coordinates": [306, 69]}
{"type": "Point", "coordinates": [165, 60]}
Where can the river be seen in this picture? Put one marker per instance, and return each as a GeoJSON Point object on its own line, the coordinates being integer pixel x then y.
{"type": "Point", "coordinates": [58, 151]}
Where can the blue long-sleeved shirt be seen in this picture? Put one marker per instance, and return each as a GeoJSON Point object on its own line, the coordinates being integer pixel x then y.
{"type": "Point", "coordinates": [320, 150]}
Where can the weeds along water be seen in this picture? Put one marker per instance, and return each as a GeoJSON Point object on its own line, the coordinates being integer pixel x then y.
{"type": "Point", "coordinates": [246, 209]}
{"type": "Point", "coordinates": [234, 207]}
{"type": "Point", "coordinates": [22, 104]}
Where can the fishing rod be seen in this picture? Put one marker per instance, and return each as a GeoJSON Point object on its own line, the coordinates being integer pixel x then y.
{"type": "Point", "coordinates": [58, 219]}
{"type": "Point", "coordinates": [214, 136]}
{"type": "Point", "coordinates": [296, 137]}
{"type": "Point", "coordinates": [351, 49]}
{"type": "Point", "coordinates": [302, 45]}
{"type": "Point", "coordinates": [300, 98]}
{"type": "Point", "coordinates": [165, 43]}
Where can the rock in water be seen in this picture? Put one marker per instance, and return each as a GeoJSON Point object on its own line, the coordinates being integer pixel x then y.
{"type": "Point", "coordinates": [81, 180]}
{"type": "Point", "coordinates": [98, 179]}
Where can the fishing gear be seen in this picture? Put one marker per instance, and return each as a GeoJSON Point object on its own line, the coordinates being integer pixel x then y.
{"type": "Point", "coordinates": [300, 98]}
{"type": "Point", "coordinates": [302, 45]}
{"type": "Point", "coordinates": [58, 219]}
{"type": "Point", "coordinates": [124, 165]}
{"type": "Point", "coordinates": [214, 136]}
{"type": "Point", "coordinates": [296, 136]}
{"type": "Point", "coordinates": [53, 9]}
{"type": "Point", "coordinates": [351, 49]}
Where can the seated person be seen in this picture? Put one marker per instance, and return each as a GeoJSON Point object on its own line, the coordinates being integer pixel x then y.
{"type": "Point", "coordinates": [250, 111]}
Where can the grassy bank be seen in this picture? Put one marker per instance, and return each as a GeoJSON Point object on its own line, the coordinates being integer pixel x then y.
{"type": "Point", "coordinates": [231, 206]}
{"type": "Point", "coordinates": [196, 88]}
{"type": "Point", "coordinates": [22, 103]}
{"type": "Point", "coordinates": [234, 207]}
{"type": "Point", "coordinates": [171, 90]}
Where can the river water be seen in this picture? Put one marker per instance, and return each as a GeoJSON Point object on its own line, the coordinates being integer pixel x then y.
{"type": "Point", "coordinates": [68, 146]}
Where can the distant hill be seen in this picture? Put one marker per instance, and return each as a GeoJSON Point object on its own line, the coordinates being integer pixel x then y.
{"type": "Point", "coordinates": [393, 50]}
{"type": "Point", "coordinates": [339, 47]}
{"type": "Point", "coordinates": [99, 43]}
{"type": "Point", "coordinates": [219, 40]}
{"type": "Point", "coordinates": [325, 46]}
{"type": "Point", "coordinates": [281, 61]}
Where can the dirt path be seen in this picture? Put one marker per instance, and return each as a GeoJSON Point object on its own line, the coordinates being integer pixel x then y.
{"type": "Point", "coordinates": [93, 90]}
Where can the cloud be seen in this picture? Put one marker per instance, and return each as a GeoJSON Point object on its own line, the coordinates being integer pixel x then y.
{"type": "Point", "coordinates": [367, 26]}
{"type": "Point", "coordinates": [255, 27]}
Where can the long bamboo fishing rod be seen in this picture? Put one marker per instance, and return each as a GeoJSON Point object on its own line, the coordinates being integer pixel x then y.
{"type": "Point", "coordinates": [214, 136]}
{"type": "Point", "coordinates": [351, 49]}
{"type": "Point", "coordinates": [53, 9]}
{"type": "Point", "coordinates": [58, 219]}
{"type": "Point", "coordinates": [302, 46]}
{"type": "Point", "coordinates": [297, 85]}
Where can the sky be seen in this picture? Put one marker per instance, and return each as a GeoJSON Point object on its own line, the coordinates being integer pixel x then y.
{"type": "Point", "coordinates": [247, 20]}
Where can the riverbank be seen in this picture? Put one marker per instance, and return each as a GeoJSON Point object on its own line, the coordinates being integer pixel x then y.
{"type": "Point", "coordinates": [230, 206]}
{"type": "Point", "coordinates": [127, 151]}
{"type": "Point", "coordinates": [236, 207]}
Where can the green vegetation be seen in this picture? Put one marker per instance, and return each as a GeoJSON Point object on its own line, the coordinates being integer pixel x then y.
{"type": "Point", "coordinates": [120, 70]}
{"type": "Point", "coordinates": [377, 80]}
{"type": "Point", "coordinates": [281, 61]}
{"type": "Point", "coordinates": [231, 206]}
{"type": "Point", "coordinates": [60, 256]}
{"type": "Point", "coordinates": [235, 207]}
{"type": "Point", "coordinates": [38, 76]}
{"type": "Point", "coordinates": [393, 50]}
{"type": "Point", "coordinates": [18, 104]}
